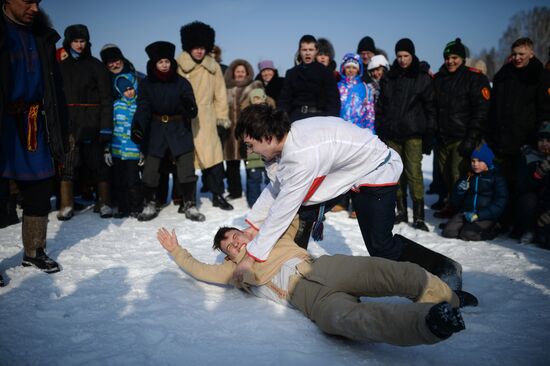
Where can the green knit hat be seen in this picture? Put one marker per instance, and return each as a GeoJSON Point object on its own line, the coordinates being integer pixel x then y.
{"type": "Point", "coordinates": [455, 48]}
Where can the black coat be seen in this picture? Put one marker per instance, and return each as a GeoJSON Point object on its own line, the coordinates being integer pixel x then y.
{"type": "Point", "coordinates": [88, 92]}
{"type": "Point", "coordinates": [173, 97]}
{"type": "Point", "coordinates": [274, 87]}
{"type": "Point", "coordinates": [406, 105]}
{"type": "Point", "coordinates": [487, 195]}
{"type": "Point", "coordinates": [520, 102]}
{"type": "Point", "coordinates": [528, 181]}
{"type": "Point", "coordinates": [462, 100]}
{"type": "Point", "coordinates": [311, 85]}
{"type": "Point", "coordinates": [54, 100]}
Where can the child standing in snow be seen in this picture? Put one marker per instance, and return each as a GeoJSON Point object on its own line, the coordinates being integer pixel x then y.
{"type": "Point", "coordinates": [124, 155]}
{"type": "Point", "coordinates": [481, 197]}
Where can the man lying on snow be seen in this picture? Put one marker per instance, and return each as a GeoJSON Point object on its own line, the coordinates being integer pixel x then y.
{"type": "Point", "coordinates": [327, 289]}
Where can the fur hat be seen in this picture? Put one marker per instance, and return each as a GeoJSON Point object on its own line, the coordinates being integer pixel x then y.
{"type": "Point", "coordinates": [455, 48]}
{"type": "Point", "coordinates": [405, 44]}
{"type": "Point", "coordinates": [110, 52]}
{"type": "Point", "coordinates": [159, 50]}
{"type": "Point", "coordinates": [197, 34]}
{"type": "Point", "coordinates": [77, 31]}
{"type": "Point", "coordinates": [324, 47]}
{"type": "Point", "coordinates": [366, 44]}
{"type": "Point", "coordinates": [484, 153]}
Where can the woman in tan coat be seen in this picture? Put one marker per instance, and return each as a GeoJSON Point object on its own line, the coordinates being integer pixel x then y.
{"type": "Point", "coordinates": [205, 75]}
{"type": "Point", "coordinates": [239, 82]}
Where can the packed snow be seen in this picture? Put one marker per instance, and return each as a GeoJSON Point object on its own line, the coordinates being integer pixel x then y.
{"type": "Point", "coordinates": [121, 300]}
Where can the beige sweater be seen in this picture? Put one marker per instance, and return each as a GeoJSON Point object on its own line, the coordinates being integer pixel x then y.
{"type": "Point", "coordinates": [262, 272]}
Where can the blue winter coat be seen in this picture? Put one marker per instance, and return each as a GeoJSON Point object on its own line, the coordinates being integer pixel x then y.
{"type": "Point", "coordinates": [124, 109]}
{"type": "Point", "coordinates": [487, 195]}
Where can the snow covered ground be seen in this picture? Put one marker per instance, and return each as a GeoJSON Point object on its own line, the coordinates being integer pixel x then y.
{"type": "Point", "coordinates": [120, 300]}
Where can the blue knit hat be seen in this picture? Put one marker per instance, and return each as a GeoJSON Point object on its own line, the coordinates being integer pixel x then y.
{"type": "Point", "coordinates": [484, 153]}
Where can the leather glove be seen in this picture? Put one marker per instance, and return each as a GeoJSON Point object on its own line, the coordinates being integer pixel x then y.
{"type": "Point", "coordinates": [136, 135]}
{"type": "Point", "coordinates": [427, 144]}
{"type": "Point", "coordinates": [543, 168]}
{"type": "Point", "coordinates": [108, 158]}
{"type": "Point", "coordinates": [466, 147]}
{"type": "Point", "coordinates": [463, 185]}
{"type": "Point", "coordinates": [544, 219]}
{"type": "Point", "coordinates": [471, 216]}
{"type": "Point", "coordinates": [189, 108]}
{"type": "Point", "coordinates": [225, 123]}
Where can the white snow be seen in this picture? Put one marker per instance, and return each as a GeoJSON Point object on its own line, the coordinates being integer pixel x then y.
{"type": "Point", "coordinates": [120, 300]}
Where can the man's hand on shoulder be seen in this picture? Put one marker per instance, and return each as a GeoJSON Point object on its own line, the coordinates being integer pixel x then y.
{"type": "Point", "coordinates": [245, 265]}
{"type": "Point", "coordinates": [167, 239]}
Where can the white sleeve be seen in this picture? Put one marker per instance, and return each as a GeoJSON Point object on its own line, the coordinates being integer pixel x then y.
{"type": "Point", "coordinates": [260, 209]}
{"type": "Point", "coordinates": [296, 178]}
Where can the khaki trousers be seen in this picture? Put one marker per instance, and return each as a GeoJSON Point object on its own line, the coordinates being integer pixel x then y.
{"type": "Point", "coordinates": [329, 292]}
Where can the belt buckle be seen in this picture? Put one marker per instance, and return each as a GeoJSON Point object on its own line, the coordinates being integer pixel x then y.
{"type": "Point", "coordinates": [304, 109]}
{"type": "Point", "coordinates": [164, 118]}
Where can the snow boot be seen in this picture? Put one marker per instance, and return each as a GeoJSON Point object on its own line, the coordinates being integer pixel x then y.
{"type": "Point", "coordinates": [66, 210]}
{"type": "Point", "coordinates": [34, 241]}
{"type": "Point", "coordinates": [448, 270]}
{"type": "Point", "coordinates": [191, 211]}
{"type": "Point", "coordinates": [418, 216]}
{"type": "Point", "coordinates": [149, 212]}
{"type": "Point", "coordinates": [402, 215]}
{"type": "Point", "coordinates": [104, 193]}
{"type": "Point", "coordinates": [466, 298]}
{"type": "Point", "coordinates": [443, 320]}
{"type": "Point", "coordinates": [219, 201]}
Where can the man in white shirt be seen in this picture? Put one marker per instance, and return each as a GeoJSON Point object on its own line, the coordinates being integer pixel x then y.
{"type": "Point", "coordinates": [315, 161]}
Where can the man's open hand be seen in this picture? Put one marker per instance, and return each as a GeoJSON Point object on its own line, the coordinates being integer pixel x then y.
{"type": "Point", "coordinates": [244, 266]}
{"type": "Point", "coordinates": [167, 239]}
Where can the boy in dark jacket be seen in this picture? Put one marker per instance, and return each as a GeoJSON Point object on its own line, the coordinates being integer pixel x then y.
{"type": "Point", "coordinates": [481, 197]}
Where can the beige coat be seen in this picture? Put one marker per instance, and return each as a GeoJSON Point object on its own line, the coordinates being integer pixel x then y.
{"type": "Point", "coordinates": [210, 94]}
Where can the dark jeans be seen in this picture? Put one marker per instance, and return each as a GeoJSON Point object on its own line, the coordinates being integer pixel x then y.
{"type": "Point", "coordinates": [36, 195]}
{"type": "Point", "coordinates": [375, 209]}
{"type": "Point", "coordinates": [254, 179]}
{"type": "Point", "coordinates": [233, 174]}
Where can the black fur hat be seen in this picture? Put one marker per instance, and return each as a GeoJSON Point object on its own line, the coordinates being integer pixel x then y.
{"type": "Point", "coordinates": [110, 52]}
{"type": "Point", "coordinates": [197, 34]}
{"type": "Point", "coordinates": [159, 50]}
{"type": "Point", "coordinates": [77, 31]}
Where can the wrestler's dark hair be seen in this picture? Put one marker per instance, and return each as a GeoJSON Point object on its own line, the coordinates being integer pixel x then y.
{"type": "Point", "coordinates": [307, 38]}
{"type": "Point", "coordinates": [261, 121]}
{"type": "Point", "coordinates": [220, 235]}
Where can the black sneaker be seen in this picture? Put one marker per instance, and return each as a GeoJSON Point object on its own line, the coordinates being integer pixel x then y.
{"type": "Point", "coordinates": [466, 298]}
{"type": "Point", "coordinates": [419, 224]}
{"type": "Point", "coordinates": [41, 261]}
{"type": "Point", "coordinates": [443, 320]}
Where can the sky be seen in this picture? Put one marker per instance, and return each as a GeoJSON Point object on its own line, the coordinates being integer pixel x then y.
{"type": "Point", "coordinates": [259, 29]}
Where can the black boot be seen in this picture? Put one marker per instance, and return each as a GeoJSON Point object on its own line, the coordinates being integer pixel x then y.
{"type": "Point", "coordinates": [150, 209]}
{"type": "Point", "coordinates": [402, 215]}
{"type": "Point", "coordinates": [448, 270]}
{"type": "Point", "coordinates": [418, 216]}
{"type": "Point", "coordinates": [34, 230]}
{"type": "Point", "coordinates": [303, 234]}
{"type": "Point", "coordinates": [443, 320]}
{"type": "Point", "coordinates": [189, 206]}
{"type": "Point", "coordinates": [219, 201]}
{"type": "Point", "coordinates": [41, 261]}
{"type": "Point", "coordinates": [466, 298]}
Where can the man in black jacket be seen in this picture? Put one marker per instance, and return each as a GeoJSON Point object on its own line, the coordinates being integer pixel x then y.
{"type": "Point", "coordinates": [462, 96]}
{"type": "Point", "coordinates": [310, 88]}
{"type": "Point", "coordinates": [405, 120]}
{"type": "Point", "coordinates": [33, 119]}
{"type": "Point", "coordinates": [520, 102]}
{"type": "Point", "coordinates": [88, 90]}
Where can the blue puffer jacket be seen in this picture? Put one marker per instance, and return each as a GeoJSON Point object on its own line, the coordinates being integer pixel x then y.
{"type": "Point", "coordinates": [124, 109]}
{"type": "Point", "coordinates": [487, 195]}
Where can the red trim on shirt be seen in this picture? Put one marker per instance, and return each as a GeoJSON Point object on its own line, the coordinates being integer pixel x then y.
{"type": "Point", "coordinates": [251, 225]}
{"type": "Point", "coordinates": [316, 183]}
{"type": "Point", "coordinates": [256, 259]}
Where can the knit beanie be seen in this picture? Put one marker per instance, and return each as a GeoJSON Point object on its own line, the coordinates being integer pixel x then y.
{"type": "Point", "coordinates": [351, 59]}
{"type": "Point", "coordinates": [110, 52]}
{"type": "Point", "coordinates": [366, 44]}
{"type": "Point", "coordinates": [544, 130]}
{"type": "Point", "coordinates": [455, 48]}
{"type": "Point", "coordinates": [484, 153]}
{"type": "Point", "coordinates": [124, 84]}
{"type": "Point", "coordinates": [405, 44]}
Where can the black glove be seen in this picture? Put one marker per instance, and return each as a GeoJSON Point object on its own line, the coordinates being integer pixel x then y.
{"type": "Point", "coordinates": [189, 108]}
{"type": "Point", "coordinates": [466, 147]}
{"type": "Point", "coordinates": [427, 143]}
{"type": "Point", "coordinates": [136, 135]}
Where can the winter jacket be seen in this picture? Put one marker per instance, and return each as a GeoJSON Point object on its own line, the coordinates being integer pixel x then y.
{"type": "Point", "coordinates": [463, 100]}
{"type": "Point", "coordinates": [124, 108]}
{"type": "Point", "coordinates": [520, 102]}
{"type": "Point", "coordinates": [54, 107]}
{"type": "Point", "coordinates": [529, 180]}
{"type": "Point", "coordinates": [312, 86]}
{"type": "Point", "coordinates": [487, 195]}
{"type": "Point", "coordinates": [406, 106]}
{"type": "Point", "coordinates": [262, 272]}
{"type": "Point", "coordinates": [211, 96]}
{"type": "Point", "coordinates": [274, 87]}
{"type": "Point", "coordinates": [356, 100]}
{"type": "Point", "coordinates": [88, 91]}
{"type": "Point", "coordinates": [237, 94]}
{"type": "Point", "coordinates": [172, 98]}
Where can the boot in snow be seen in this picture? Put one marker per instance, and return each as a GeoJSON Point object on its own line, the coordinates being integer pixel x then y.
{"type": "Point", "coordinates": [149, 212]}
{"type": "Point", "coordinates": [34, 241]}
{"type": "Point", "coordinates": [443, 320]}
{"type": "Point", "coordinates": [191, 211]}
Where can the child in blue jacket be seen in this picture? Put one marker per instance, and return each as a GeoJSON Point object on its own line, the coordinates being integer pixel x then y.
{"type": "Point", "coordinates": [481, 197]}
